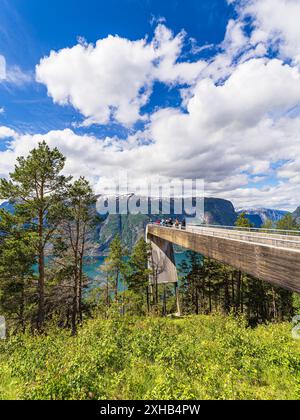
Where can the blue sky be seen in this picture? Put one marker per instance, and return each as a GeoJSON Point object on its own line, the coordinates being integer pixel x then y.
{"type": "Point", "coordinates": [196, 88]}
{"type": "Point", "coordinates": [31, 29]}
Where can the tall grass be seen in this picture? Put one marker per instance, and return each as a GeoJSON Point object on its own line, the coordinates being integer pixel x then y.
{"type": "Point", "coordinates": [198, 357]}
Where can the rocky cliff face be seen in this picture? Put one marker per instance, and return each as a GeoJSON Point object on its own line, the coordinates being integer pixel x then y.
{"type": "Point", "coordinates": [219, 212]}
{"type": "Point", "coordinates": [258, 216]}
{"type": "Point", "coordinates": [131, 227]}
{"type": "Point", "coordinates": [296, 215]}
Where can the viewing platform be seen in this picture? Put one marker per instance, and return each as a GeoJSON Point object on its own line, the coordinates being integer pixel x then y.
{"type": "Point", "coordinates": [267, 254]}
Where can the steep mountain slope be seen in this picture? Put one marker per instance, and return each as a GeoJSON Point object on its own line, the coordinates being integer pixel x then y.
{"type": "Point", "coordinates": [258, 216]}
{"type": "Point", "coordinates": [219, 212]}
{"type": "Point", "coordinates": [130, 227]}
{"type": "Point", "coordinates": [296, 215]}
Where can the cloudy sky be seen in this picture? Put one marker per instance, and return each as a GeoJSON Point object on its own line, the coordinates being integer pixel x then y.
{"type": "Point", "coordinates": [179, 88]}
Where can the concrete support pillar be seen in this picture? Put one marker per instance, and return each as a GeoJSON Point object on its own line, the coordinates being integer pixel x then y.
{"type": "Point", "coordinates": [163, 265]}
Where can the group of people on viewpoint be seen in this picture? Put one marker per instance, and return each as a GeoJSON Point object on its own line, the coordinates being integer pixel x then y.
{"type": "Point", "coordinates": [179, 224]}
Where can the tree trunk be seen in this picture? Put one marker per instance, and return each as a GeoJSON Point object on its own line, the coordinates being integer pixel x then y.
{"type": "Point", "coordinates": [116, 286]}
{"type": "Point", "coordinates": [107, 293]}
{"type": "Point", "coordinates": [80, 289]}
{"type": "Point", "coordinates": [22, 307]}
{"type": "Point", "coordinates": [165, 302]}
{"type": "Point", "coordinates": [274, 304]}
{"type": "Point", "coordinates": [74, 310]}
{"type": "Point", "coordinates": [177, 299]}
{"type": "Point", "coordinates": [226, 295]}
{"type": "Point", "coordinates": [123, 298]}
{"type": "Point", "coordinates": [41, 280]}
{"type": "Point", "coordinates": [156, 290]}
{"type": "Point", "coordinates": [238, 292]}
{"type": "Point", "coordinates": [76, 283]}
{"type": "Point", "coordinates": [209, 295]}
{"type": "Point", "coordinates": [242, 294]}
{"type": "Point", "coordinates": [196, 300]}
{"type": "Point", "coordinates": [67, 324]}
{"type": "Point", "coordinates": [148, 300]}
{"type": "Point", "coordinates": [232, 288]}
{"type": "Point", "coordinates": [81, 274]}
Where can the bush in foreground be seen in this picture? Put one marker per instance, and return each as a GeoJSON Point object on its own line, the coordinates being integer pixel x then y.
{"type": "Point", "coordinates": [199, 357]}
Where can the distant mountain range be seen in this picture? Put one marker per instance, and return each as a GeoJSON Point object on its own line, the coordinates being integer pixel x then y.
{"type": "Point", "coordinates": [132, 226]}
{"type": "Point", "coordinates": [258, 216]}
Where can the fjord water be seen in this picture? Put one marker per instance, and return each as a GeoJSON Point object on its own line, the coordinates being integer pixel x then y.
{"type": "Point", "coordinates": [92, 266]}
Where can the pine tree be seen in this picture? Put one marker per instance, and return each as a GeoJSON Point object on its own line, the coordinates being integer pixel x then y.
{"type": "Point", "coordinates": [285, 296]}
{"type": "Point", "coordinates": [192, 283]}
{"type": "Point", "coordinates": [37, 189]}
{"type": "Point", "coordinates": [17, 258]}
{"type": "Point", "coordinates": [138, 270]}
{"type": "Point", "coordinates": [287, 223]}
{"type": "Point", "coordinates": [73, 232]}
{"type": "Point", "coordinates": [115, 261]}
{"type": "Point", "coordinates": [243, 222]}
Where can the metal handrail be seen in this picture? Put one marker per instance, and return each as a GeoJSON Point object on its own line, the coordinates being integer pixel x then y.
{"type": "Point", "coordinates": [240, 228]}
{"type": "Point", "coordinates": [288, 232]}
{"type": "Point", "coordinates": [250, 233]}
{"type": "Point", "coordinates": [277, 242]}
{"type": "Point", "coordinates": [252, 238]}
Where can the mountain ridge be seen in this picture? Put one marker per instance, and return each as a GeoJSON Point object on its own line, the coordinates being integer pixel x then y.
{"type": "Point", "coordinates": [259, 215]}
{"type": "Point", "coordinates": [296, 215]}
{"type": "Point", "coordinates": [130, 227]}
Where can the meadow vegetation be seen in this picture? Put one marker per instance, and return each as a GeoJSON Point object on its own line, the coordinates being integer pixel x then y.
{"type": "Point", "coordinates": [196, 357]}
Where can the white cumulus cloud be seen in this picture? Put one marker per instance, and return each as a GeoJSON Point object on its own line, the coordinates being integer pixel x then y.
{"type": "Point", "coordinates": [276, 23]}
{"type": "Point", "coordinates": [114, 77]}
{"type": "Point", "coordinates": [238, 126]}
{"type": "Point", "coordinates": [6, 132]}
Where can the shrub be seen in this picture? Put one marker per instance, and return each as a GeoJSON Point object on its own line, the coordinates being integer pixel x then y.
{"type": "Point", "coordinates": [197, 357]}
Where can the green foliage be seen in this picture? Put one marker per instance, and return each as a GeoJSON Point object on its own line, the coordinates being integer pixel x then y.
{"type": "Point", "coordinates": [138, 275]}
{"type": "Point", "coordinates": [243, 221]}
{"type": "Point", "coordinates": [37, 188]}
{"type": "Point", "coordinates": [268, 225]}
{"type": "Point", "coordinates": [192, 278]}
{"type": "Point", "coordinates": [203, 357]}
{"type": "Point", "coordinates": [17, 256]}
{"type": "Point", "coordinates": [36, 185]}
{"type": "Point", "coordinates": [287, 223]}
{"type": "Point", "coordinates": [49, 229]}
{"type": "Point", "coordinates": [69, 247]}
{"type": "Point", "coordinates": [208, 286]}
{"type": "Point", "coordinates": [115, 266]}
